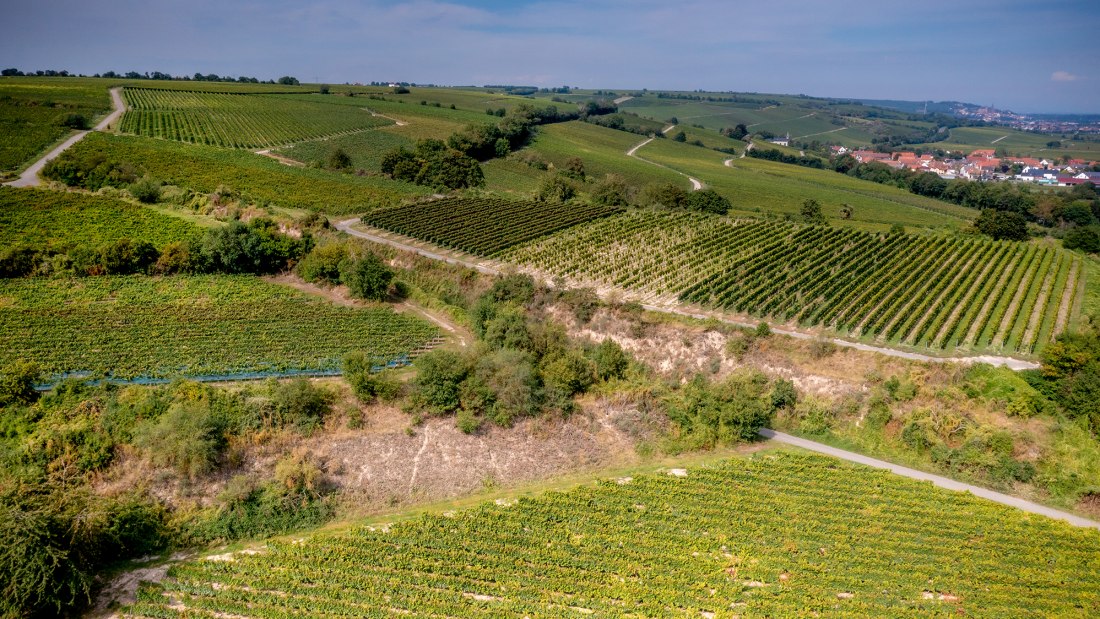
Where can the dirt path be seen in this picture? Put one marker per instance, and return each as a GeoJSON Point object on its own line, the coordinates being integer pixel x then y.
{"type": "Point", "coordinates": [696, 184]}
{"type": "Point", "coordinates": [399, 123]}
{"type": "Point", "coordinates": [29, 177]}
{"type": "Point", "coordinates": [622, 100]}
{"type": "Point", "coordinates": [810, 135]}
{"type": "Point", "coordinates": [281, 159]}
{"type": "Point", "coordinates": [496, 268]}
{"type": "Point", "coordinates": [942, 482]}
{"type": "Point", "coordinates": [340, 296]}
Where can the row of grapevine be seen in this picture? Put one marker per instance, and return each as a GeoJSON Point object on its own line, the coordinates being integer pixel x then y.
{"type": "Point", "coordinates": [238, 120]}
{"type": "Point", "coordinates": [920, 290]}
{"type": "Point", "coordinates": [204, 325]}
{"type": "Point", "coordinates": [483, 226]}
{"type": "Point", "coordinates": [784, 534]}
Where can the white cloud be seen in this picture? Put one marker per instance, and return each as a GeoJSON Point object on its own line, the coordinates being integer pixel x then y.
{"type": "Point", "coordinates": [1063, 76]}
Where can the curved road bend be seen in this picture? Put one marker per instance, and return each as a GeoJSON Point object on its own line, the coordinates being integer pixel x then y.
{"type": "Point", "coordinates": [696, 185]}
{"type": "Point", "coordinates": [942, 482]}
{"type": "Point", "coordinates": [29, 177]}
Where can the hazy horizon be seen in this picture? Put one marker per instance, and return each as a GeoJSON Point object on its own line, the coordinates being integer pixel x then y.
{"type": "Point", "coordinates": [1016, 55]}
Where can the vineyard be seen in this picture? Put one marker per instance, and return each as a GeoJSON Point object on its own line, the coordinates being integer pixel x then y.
{"type": "Point", "coordinates": [778, 535]}
{"type": "Point", "coordinates": [202, 325]}
{"type": "Point", "coordinates": [262, 179]}
{"type": "Point", "coordinates": [238, 120]}
{"type": "Point", "coordinates": [483, 226]}
{"type": "Point", "coordinates": [32, 111]}
{"type": "Point", "coordinates": [59, 220]}
{"type": "Point", "coordinates": [928, 291]}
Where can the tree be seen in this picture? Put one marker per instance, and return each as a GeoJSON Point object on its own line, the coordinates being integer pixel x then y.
{"type": "Point", "coordinates": [570, 373]}
{"type": "Point", "coordinates": [145, 190]}
{"type": "Point", "coordinates": [610, 359]}
{"type": "Point", "coordinates": [668, 195]}
{"type": "Point", "coordinates": [338, 159]}
{"type": "Point", "coordinates": [555, 189]}
{"type": "Point", "coordinates": [17, 381]}
{"type": "Point", "coordinates": [367, 277]}
{"type": "Point", "coordinates": [846, 211]}
{"type": "Point", "coordinates": [439, 376]}
{"type": "Point", "coordinates": [708, 201]}
{"type": "Point", "coordinates": [611, 191]}
{"type": "Point", "coordinates": [574, 168]}
{"type": "Point", "coordinates": [680, 137]}
{"type": "Point", "coordinates": [812, 213]}
{"type": "Point", "coordinates": [323, 263]}
{"type": "Point", "coordinates": [738, 132]}
{"type": "Point", "coordinates": [285, 80]}
{"type": "Point", "coordinates": [1002, 225]}
{"type": "Point", "coordinates": [1084, 238]}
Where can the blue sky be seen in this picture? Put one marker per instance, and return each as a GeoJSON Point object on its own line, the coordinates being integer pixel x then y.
{"type": "Point", "coordinates": [1025, 56]}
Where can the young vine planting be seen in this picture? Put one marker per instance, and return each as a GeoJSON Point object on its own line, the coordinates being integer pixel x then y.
{"type": "Point", "coordinates": [775, 535]}
{"type": "Point", "coordinates": [238, 120]}
{"type": "Point", "coordinates": [154, 327]}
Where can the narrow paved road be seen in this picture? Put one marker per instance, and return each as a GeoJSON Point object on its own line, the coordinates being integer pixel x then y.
{"type": "Point", "coordinates": [29, 177]}
{"type": "Point", "coordinates": [942, 482]}
{"type": "Point", "coordinates": [492, 268]}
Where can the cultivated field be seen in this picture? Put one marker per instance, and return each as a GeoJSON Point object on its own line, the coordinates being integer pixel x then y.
{"type": "Point", "coordinates": [917, 290]}
{"type": "Point", "coordinates": [33, 112]}
{"type": "Point", "coordinates": [778, 534]}
{"type": "Point", "coordinates": [61, 220]}
{"type": "Point", "coordinates": [237, 120]}
{"type": "Point", "coordinates": [191, 326]}
{"type": "Point", "coordinates": [205, 168]}
{"type": "Point", "coordinates": [483, 226]}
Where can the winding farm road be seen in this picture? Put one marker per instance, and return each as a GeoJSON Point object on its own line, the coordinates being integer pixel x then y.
{"type": "Point", "coordinates": [938, 480]}
{"type": "Point", "coordinates": [29, 177]}
{"type": "Point", "coordinates": [696, 184]}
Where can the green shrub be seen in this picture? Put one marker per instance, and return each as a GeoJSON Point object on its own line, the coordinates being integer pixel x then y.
{"type": "Point", "coordinates": [569, 373]}
{"type": "Point", "coordinates": [610, 359]}
{"type": "Point", "coordinates": [438, 379]}
{"type": "Point", "coordinates": [322, 264]}
{"type": "Point", "coordinates": [299, 402]}
{"type": "Point", "coordinates": [146, 190]}
{"type": "Point", "coordinates": [367, 278]}
{"type": "Point", "coordinates": [187, 437]}
{"type": "Point", "coordinates": [17, 381]}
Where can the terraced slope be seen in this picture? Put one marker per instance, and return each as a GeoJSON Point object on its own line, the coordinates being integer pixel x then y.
{"type": "Point", "coordinates": [779, 534]}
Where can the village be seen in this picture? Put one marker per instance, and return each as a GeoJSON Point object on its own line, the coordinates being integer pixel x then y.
{"type": "Point", "coordinates": [985, 165]}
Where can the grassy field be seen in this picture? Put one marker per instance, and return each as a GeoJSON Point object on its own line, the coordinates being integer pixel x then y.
{"type": "Point", "coordinates": [205, 168]}
{"type": "Point", "coordinates": [922, 291]}
{"type": "Point", "coordinates": [1015, 142]}
{"type": "Point", "coordinates": [776, 534]}
{"type": "Point", "coordinates": [602, 150]}
{"type": "Point", "coordinates": [754, 185]}
{"type": "Point", "coordinates": [32, 111]}
{"type": "Point", "coordinates": [61, 220]}
{"type": "Point", "coordinates": [189, 326]}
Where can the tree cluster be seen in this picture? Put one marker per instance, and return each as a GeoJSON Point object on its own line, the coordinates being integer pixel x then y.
{"type": "Point", "coordinates": [521, 367]}
{"type": "Point", "coordinates": [256, 247]}
{"type": "Point", "coordinates": [366, 275]}
{"type": "Point", "coordinates": [434, 164]}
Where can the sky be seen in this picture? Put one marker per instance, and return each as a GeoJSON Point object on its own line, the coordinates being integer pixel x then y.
{"type": "Point", "coordinates": [1023, 56]}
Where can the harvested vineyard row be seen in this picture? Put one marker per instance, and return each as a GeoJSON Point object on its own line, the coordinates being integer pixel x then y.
{"type": "Point", "coordinates": [202, 325]}
{"type": "Point", "coordinates": [237, 120]}
{"type": "Point", "coordinates": [917, 290]}
{"type": "Point", "coordinates": [483, 226]}
{"type": "Point", "coordinates": [770, 535]}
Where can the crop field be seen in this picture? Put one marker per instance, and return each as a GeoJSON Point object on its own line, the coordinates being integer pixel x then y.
{"type": "Point", "coordinates": [191, 326]}
{"type": "Point", "coordinates": [779, 534]}
{"type": "Point", "coordinates": [482, 226]}
{"type": "Point", "coordinates": [915, 290]}
{"type": "Point", "coordinates": [32, 111]}
{"type": "Point", "coordinates": [237, 120]}
{"type": "Point", "coordinates": [769, 187]}
{"type": "Point", "coordinates": [204, 168]}
{"type": "Point", "coordinates": [365, 148]}
{"type": "Point", "coordinates": [60, 220]}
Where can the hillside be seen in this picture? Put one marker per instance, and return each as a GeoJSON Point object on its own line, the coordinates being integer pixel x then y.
{"type": "Point", "coordinates": [768, 535]}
